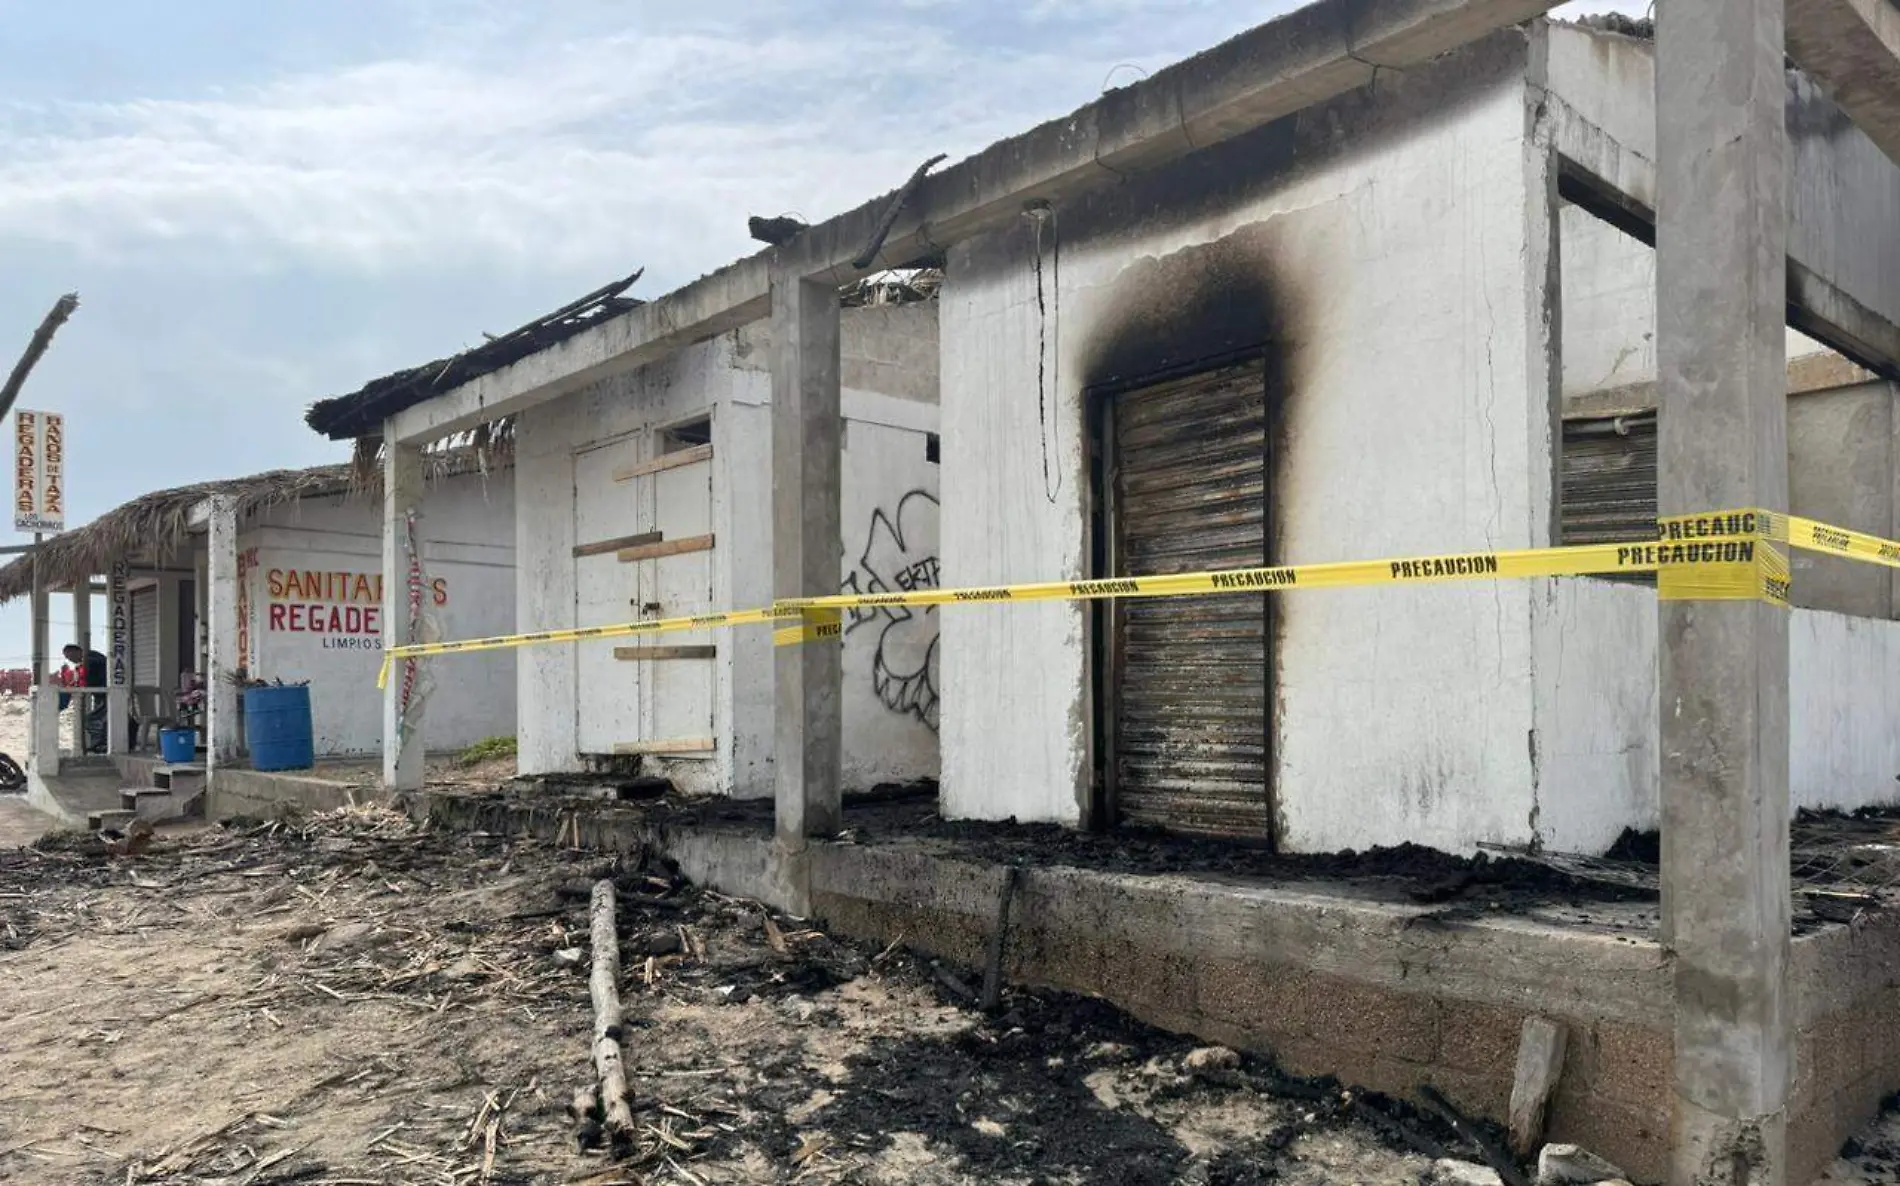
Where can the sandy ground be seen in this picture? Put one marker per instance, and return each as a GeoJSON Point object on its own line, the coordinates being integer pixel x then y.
{"type": "Point", "coordinates": [20, 824]}
{"type": "Point", "coordinates": [14, 728]}
{"type": "Point", "coordinates": [353, 1002]}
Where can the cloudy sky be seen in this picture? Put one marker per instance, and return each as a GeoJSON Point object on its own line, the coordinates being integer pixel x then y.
{"type": "Point", "coordinates": [264, 204]}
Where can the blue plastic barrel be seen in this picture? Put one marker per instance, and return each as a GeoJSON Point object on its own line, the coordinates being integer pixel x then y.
{"type": "Point", "coordinates": [277, 728]}
{"type": "Point", "coordinates": [178, 746]}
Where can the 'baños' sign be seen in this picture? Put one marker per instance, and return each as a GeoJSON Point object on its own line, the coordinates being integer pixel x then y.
{"type": "Point", "coordinates": [346, 608]}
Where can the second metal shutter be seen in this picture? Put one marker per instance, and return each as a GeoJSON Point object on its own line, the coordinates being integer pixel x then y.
{"type": "Point", "coordinates": [1609, 479]}
{"type": "Point", "coordinates": [145, 636]}
{"type": "Point", "coordinates": [1189, 716]}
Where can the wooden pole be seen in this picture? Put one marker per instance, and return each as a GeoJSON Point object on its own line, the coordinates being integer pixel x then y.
{"type": "Point", "coordinates": [605, 987]}
{"type": "Point", "coordinates": [41, 625]}
{"type": "Point", "coordinates": [42, 338]}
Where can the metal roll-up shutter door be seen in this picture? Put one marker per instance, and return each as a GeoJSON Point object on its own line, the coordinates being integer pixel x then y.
{"type": "Point", "coordinates": [1189, 719]}
{"type": "Point", "coordinates": [145, 636]}
{"type": "Point", "coordinates": [1609, 482]}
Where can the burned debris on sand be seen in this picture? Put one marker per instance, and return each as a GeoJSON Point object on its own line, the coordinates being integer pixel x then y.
{"type": "Point", "coordinates": [353, 998]}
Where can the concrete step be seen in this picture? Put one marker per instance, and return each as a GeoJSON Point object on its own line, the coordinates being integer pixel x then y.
{"type": "Point", "coordinates": [186, 778]}
{"type": "Point", "coordinates": [118, 821]}
{"type": "Point", "coordinates": [187, 803]}
{"type": "Point", "coordinates": [149, 802]}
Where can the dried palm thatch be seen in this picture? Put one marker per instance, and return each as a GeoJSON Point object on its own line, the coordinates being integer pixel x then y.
{"type": "Point", "coordinates": [152, 527]}
{"type": "Point", "coordinates": [361, 413]}
{"type": "Point", "coordinates": [488, 446]}
{"type": "Point", "coordinates": [896, 286]}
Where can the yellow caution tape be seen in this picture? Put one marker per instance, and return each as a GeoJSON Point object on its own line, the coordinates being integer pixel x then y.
{"type": "Point", "coordinates": [820, 625]}
{"type": "Point", "coordinates": [505, 642]}
{"type": "Point", "coordinates": [1837, 541]}
{"type": "Point", "coordinates": [1581, 560]}
{"type": "Point", "coordinates": [1725, 556]}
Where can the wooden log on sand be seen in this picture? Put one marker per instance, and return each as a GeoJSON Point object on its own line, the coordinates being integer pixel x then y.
{"type": "Point", "coordinates": [617, 1113]}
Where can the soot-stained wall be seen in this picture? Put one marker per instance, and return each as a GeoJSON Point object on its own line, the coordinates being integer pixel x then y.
{"type": "Point", "coordinates": [1386, 253]}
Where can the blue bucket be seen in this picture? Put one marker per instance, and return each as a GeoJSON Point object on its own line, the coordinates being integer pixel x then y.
{"type": "Point", "coordinates": [178, 746]}
{"type": "Point", "coordinates": [277, 728]}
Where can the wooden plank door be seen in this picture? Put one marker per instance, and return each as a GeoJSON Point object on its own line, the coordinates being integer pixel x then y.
{"type": "Point", "coordinates": [609, 704]}
{"type": "Point", "coordinates": [680, 704]}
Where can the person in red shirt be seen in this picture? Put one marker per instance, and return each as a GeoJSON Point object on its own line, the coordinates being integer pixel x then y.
{"type": "Point", "coordinates": [93, 714]}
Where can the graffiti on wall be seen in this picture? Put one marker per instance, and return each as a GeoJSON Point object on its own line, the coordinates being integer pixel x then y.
{"type": "Point", "coordinates": [900, 554]}
{"type": "Point", "coordinates": [246, 565]}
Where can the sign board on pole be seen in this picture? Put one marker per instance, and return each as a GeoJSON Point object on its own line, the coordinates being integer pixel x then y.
{"type": "Point", "coordinates": [118, 604]}
{"type": "Point", "coordinates": [39, 471]}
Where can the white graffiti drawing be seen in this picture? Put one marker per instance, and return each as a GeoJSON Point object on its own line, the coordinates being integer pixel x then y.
{"type": "Point", "coordinates": [900, 554]}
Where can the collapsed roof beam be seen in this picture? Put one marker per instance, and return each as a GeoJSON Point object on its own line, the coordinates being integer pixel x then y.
{"type": "Point", "coordinates": [1852, 49]}
{"type": "Point", "coordinates": [1617, 183]}
{"type": "Point", "coordinates": [1304, 58]}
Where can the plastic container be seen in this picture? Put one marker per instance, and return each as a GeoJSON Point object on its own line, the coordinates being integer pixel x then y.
{"type": "Point", "coordinates": [178, 746]}
{"type": "Point", "coordinates": [277, 728]}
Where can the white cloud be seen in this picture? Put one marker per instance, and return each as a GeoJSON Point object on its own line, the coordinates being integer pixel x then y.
{"type": "Point", "coordinates": [576, 146]}
{"type": "Point", "coordinates": [644, 143]}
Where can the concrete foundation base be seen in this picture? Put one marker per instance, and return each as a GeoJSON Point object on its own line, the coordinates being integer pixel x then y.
{"type": "Point", "coordinates": [239, 792]}
{"type": "Point", "coordinates": [81, 787]}
{"type": "Point", "coordinates": [1384, 995]}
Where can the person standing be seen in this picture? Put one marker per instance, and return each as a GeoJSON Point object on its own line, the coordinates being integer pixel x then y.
{"type": "Point", "coordinates": [92, 709]}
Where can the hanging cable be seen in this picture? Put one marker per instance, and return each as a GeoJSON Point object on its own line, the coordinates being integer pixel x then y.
{"type": "Point", "coordinates": [1055, 330]}
{"type": "Point", "coordinates": [1039, 212]}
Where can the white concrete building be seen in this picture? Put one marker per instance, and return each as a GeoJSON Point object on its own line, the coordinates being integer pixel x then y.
{"type": "Point", "coordinates": [1302, 298]}
{"type": "Point", "coordinates": [1349, 336]}
{"type": "Point", "coordinates": [649, 494]}
{"type": "Point", "coordinates": [276, 577]}
{"type": "Point", "coordinates": [1374, 325]}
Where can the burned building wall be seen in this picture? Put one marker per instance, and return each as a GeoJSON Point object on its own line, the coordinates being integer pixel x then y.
{"type": "Point", "coordinates": [1385, 253]}
{"type": "Point", "coordinates": [1595, 654]}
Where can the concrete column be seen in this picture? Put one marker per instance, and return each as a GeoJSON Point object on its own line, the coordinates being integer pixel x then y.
{"type": "Point", "coordinates": [42, 745]}
{"type": "Point", "coordinates": [402, 496]}
{"type": "Point", "coordinates": [224, 741]}
{"type": "Point", "coordinates": [807, 553]}
{"type": "Point", "coordinates": [82, 613]}
{"type": "Point", "coordinates": [1721, 313]}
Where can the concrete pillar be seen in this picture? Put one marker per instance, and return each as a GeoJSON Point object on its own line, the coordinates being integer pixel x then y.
{"type": "Point", "coordinates": [224, 740]}
{"type": "Point", "coordinates": [82, 613]}
{"type": "Point", "coordinates": [1721, 301]}
{"type": "Point", "coordinates": [807, 553]}
{"type": "Point", "coordinates": [42, 743]}
{"type": "Point", "coordinates": [402, 496]}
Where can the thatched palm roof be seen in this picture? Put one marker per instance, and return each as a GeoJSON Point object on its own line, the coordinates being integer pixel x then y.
{"type": "Point", "coordinates": [153, 526]}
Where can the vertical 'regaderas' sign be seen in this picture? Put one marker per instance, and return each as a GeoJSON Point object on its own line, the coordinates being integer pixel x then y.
{"type": "Point", "coordinates": [39, 471]}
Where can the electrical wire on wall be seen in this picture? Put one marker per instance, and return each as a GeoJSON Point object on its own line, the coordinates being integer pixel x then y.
{"type": "Point", "coordinates": [1039, 212]}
